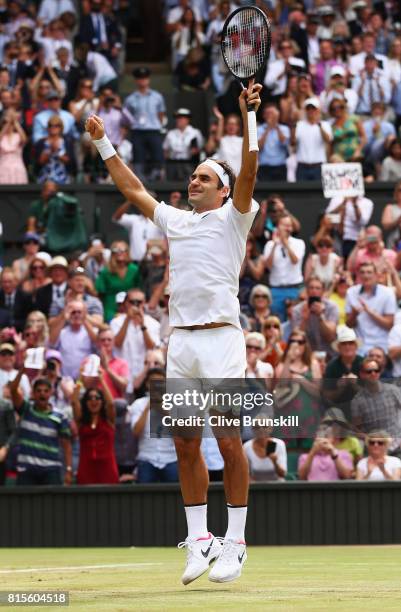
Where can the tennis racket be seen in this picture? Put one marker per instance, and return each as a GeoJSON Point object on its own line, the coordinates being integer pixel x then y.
{"type": "Point", "coordinates": [245, 45]}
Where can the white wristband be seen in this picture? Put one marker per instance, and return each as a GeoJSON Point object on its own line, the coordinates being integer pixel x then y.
{"type": "Point", "coordinates": [105, 148]}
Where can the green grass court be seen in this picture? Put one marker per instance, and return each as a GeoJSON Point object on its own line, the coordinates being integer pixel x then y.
{"type": "Point", "coordinates": [274, 578]}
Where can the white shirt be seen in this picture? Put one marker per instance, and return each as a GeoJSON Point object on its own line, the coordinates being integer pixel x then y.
{"type": "Point", "coordinates": [101, 68]}
{"type": "Point", "coordinates": [6, 377]}
{"type": "Point", "coordinates": [352, 226]}
{"type": "Point", "coordinates": [381, 301]}
{"type": "Point", "coordinates": [263, 370]}
{"type": "Point", "coordinates": [174, 15]}
{"type": "Point", "coordinates": [262, 468]}
{"type": "Point", "coordinates": [133, 349]}
{"type": "Point", "coordinates": [51, 46]}
{"type": "Point", "coordinates": [157, 451]}
{"type": "Point", "coordinates": [177, 143]}
{"type": "Point", "coordinates": [394, 341]}
{"type": "Point", "coordinates": [357, 62]}
{"type": "Point", "coordinates": [278, 83]}
{"type": "Point", "coordinates": [230, 150]}
{"type": "Point", "coordinates": [350, 96]}
{"type": "Point", "coordinates": [140, 230]}
{"type": "Point", "coordinates": [311, 148]}
{"type": "Point", "coordinates": [52, 9]}
{"type": "Point", "coordinates": [391, 464]}
{"type": "Point", "coordinates": [206, 254]}
{"type": "Point", "coordinates": [283, 272]}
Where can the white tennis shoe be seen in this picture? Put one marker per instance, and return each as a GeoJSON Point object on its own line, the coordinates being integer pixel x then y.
{"type": "Point", "coordinates": [200, 554]}
{"type": "Point", "coordinates": [229, 564]}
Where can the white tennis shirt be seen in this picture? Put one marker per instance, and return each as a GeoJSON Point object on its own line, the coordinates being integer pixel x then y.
{"type": "Point", "coordinates": [206, 254]}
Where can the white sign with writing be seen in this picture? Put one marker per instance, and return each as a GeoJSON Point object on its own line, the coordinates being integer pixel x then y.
{"type": "Point", "coordinates": [344, 179]}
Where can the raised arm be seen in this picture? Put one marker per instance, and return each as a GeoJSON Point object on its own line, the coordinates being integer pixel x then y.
{"type": "Point", "coordinates": [126, 181]}
{"type": "Point", "coordinates": [245, 183]}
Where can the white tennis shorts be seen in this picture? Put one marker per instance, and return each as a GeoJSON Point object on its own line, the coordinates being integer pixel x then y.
{"type": "Point", "coordinates": [207, 353]}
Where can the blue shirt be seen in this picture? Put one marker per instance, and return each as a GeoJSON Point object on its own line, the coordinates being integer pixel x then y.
{"type": "Point", "coordinates": [144, 109]}
{"type": "Point", "coordinates": [41, 120]}
{"type": "Point", "coordinates": [38, 438]}
{"type": "Point", "coordinates": [386, 129]}
{"type": "Point", "coordinates": [371, 92]}
{"type": "Point", "coordinates": [274, 152]}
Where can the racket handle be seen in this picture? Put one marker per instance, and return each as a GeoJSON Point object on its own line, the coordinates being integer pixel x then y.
{"type": "Point", "coordinates": [252, 131]}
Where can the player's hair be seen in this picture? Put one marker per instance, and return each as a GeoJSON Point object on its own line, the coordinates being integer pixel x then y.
{"type": "Point", "coordinates": [231, 177]}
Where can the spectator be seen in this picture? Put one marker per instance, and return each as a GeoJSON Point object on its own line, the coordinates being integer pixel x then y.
{"type": "Point", "coordinates": [339, 293]}
{"type": "Point", "coordinates": [142, 232]}
{"type": "Point", "coordinates": [52, 295]}
{"type": "Point", "coordinates": [378, 465]}
{"type": "Point", "coordinates": [193, 72]}
{"type": "Point", "coordinates": [357, 61]}
{"type": "Point", "coordinates": [337, 89]}
{"type": "Point", "coordinates": [7, 434]}
{"type": "Point", "coordinates": [260, 301]}
{"type": "Point", "coordinates": [325, 462]}
{"type": "Point", "coordinates": [394, 62]}
{"type": "Point", "coordinates": [229, 139]}
{"type": "Point", "coordinates": [306, 37]}
{"type": "Point", "coordinates": [41, 120]}
{"type": "Point", "coordinates": [328, 16]}
{"type": "Point", "coordinates": [255, 368]}
{"type": "Point", "coordinates": [354, 214]}
{"type": "Point", "coordinates": [275, 345]}
{"type": "Point", "coordinates": [377, 405]}
{"type": "Point", "coordinates": [115, 369]}
{"type": "Point", "coordinates": [15, 304]}
{"type": "Point", "coordinates": [188, 35]}
{"type": "Point", "coordinates": [148, 111]}
{"type": "Point", "coordinates": [42, 434]}
{"type": "Point", "coordinates": [96, 258]}
{"type": "Point", "coordinates": [84, 104]}
{"type": "Point", "coordinates": [90, 64]}
{"type": "Point", "coordinates": [274, 140]}
{"type": "Point", "coordinates": [311, 138]}
{"type": "Point", "coordinates": [220, 74]}
{"type": "Point", "coordinates": [52, 38]}
{"type": "Point", "coordinates": [53, 9]}
{"type": "Point", "coordinates": [73, 336]}
{"type": "Point", "coordinates": [38, 321]}
{"type": "Point", "coordinates": [154, 268]}
{"type": "Point", "coordinates": [79, 288]}
{"type": "Point", "coordinates": [349, 137]}
{"type": "Point", "coordinates": [31, 245]}
{"type": "Point", "coordinates": [270, 211]}
{"type": "Point", "coordinates": [370, 248]}
{"type": "Point", "coordinates": [341, 430]}
{"type": "Point", "coordinates": [55, 154]}
{"type": "Point", "coordinates": [8, 371]}
{"type": "Point", "coordinates": [317, 316]}
{"type": "Point", "coordinates": [341, 375]}
{"type": "Point", "coordinates": [391, 219]}
{"type": "Point", "coordinates": [283, 255]}
{"type": "Point", "coordinates": [182, 146]}
{"type": "Point", "coordinates": [94, 416]}
{"type": "Point", "coordinates": [383, 361]}
{"type": "Point", "coordinates": [324, 264]}
{"type": "Point", "coordinates": [12, 141]}
{"type": "Point", "coordinates": [135, 332]}
{"type": "Point", "coordinates": [39, 209]}
{"type": "Point", "coordinates": [37, 274]}
{"type": "Point", "coordinates": [267, 457]}
{"type": "Point", "coordinates": [62, 386]}
{"type": "Point", "coordinates": [154, 359]}
{"type": "Point", "coordinates": [156, 459]}
{"type": "Point", "coordinates": [299, 89]}
{"type": "Point", "coordinates": [119, 275]}
{"type": "Point", "coordinates": [279, 70]}
{"type": "Point", "coordinates": [321, 70]}
{"type": "Point", "coordinates": [101, 32]}
{"type": "Point", "coordinates": [391, 168]}
{"type": "Point", "coordinates": [371, 86]}
{"type": "Point", "coordinates": [379, 134]}
{"type": "Point", "coordinates": [370, 308]}
{"type": "Point", "coordinates": [252, 270]}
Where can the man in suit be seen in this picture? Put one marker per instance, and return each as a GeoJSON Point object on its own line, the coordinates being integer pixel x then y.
{"type": "Point", "coordinates": [101, 32]}
{"type": "Point", "coordinates": [53, 294]}
{"type": "Point", "coordinates": [15, 304]}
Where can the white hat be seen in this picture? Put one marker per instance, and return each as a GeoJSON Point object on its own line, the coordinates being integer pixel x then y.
{"type": "Point", "coordinates": [337, 70]}
{"type": "Point", "coordinates": [120, 297]}
{"type": "Point", "coordinates": [59, 260]}
{"type": "Point", "coordinates": [43, 256]}
{"type": "Point", "coordinates": [312, 102]}
{"type": "Point", "coordinates": [345, 334]}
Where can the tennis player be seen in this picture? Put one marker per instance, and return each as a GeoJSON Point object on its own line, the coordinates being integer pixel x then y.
{"type": "Point", "coordinates": [207, 248]}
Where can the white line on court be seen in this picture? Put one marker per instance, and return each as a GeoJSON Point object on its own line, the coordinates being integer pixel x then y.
{"type": "Point", "coordinates": [73, 568]}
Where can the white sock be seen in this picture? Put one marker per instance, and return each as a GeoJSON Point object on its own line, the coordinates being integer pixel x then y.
{"type": "Point", "coordinates": [236, 523]}
{"type": "Point", "coordinates": [197, 521]}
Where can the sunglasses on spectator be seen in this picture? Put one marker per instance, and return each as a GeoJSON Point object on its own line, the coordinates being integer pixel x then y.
{"type": "Point", "coordinates": [376, 442]}
{"type": "Point", "coordinates": [261, 295]}
{"type": "Point", "coordinates": [252, 347]}
{"type": "Point", "coordinates": [94, 396]}
{"type": "Point", "coordinates": [371, 371]}
{"type": "Point", "coordinates": [37, 267]}
{"type": "Point", "coordinates": [322, 245]}
{"type": "Point", "coordinates": [5, 353]}
{"type": "Point", "coordinates": [74, 312]}
{"type": "Point", "coordinates": [136, 302]}
{"type": "Point", "coordinates": [118, 251]}
{"type": "Point", "coordinates": [296, 341]}
{"type": "Point", "coordinates": [272, 325]}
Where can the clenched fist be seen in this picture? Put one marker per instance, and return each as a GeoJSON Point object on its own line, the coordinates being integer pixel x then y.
{"type": "Point", "coordinates": [95, 127]}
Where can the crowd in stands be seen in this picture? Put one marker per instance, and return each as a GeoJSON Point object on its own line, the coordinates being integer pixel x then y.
{"type": "Point", "coordinates": [84, 324]}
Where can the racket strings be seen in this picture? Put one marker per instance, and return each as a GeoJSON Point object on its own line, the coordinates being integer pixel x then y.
{"type": "Point", "coordinates": [247, 43]}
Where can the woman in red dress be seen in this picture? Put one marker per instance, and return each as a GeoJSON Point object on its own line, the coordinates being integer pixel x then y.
{"type": "Point", "coordinates": [94, 415]}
